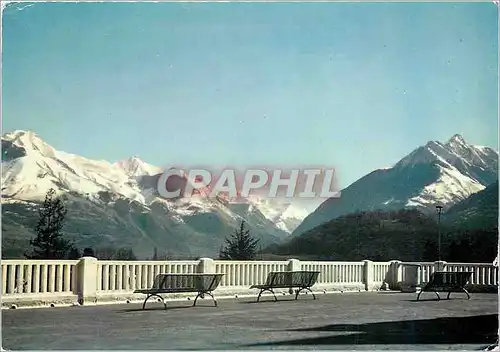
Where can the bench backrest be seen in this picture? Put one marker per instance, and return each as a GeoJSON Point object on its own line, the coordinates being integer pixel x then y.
{"type": "Point", "coordinates": [443, 278]}
{"type": "Point", "coordinates": [304, 278]}
{"type": "Point", "coordinates": [292, 278]}
{"type": "Point", "coordinates": [202, 282]}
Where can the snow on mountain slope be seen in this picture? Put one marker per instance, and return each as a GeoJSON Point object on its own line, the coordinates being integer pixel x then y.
{"type": "Point", "coordinates": [41, 167]}
{"type": "Point", "coordinates": [449, 188]}
{"type": "Point", "coordinates": [28, 141]}
{"type": "Point", "coordinates": [125, 194]}
{"type": "Point", "coordinates": [480, 164]}
{"type": "Point", "coordinates": [135, 167]}
{"type": "Point", "coordinates": [284, 213]}
{"type": "Point", "coordinates": [436, 173]}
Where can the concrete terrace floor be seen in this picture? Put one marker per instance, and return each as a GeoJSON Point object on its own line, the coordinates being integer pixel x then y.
{"type": "Point", "coordinates": [368, 321]}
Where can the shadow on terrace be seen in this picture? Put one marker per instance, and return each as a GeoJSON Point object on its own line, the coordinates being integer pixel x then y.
{"type": "Point", "coordinates": [455, 330]}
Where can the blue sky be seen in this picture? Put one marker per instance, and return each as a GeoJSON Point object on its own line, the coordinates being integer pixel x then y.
{"type": "Point", "coordinates": [350, 85]}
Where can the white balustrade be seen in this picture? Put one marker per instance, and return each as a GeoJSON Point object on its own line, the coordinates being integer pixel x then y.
{"type": "Point", "coordinates": [336, 272]}
{"type": "Point", "coordinates": [247, 273]}
{"type": "Point", "coordinates": [136, 275]}
{"type": "Point", "coordinates": [482, 274]}
{"type": "Point", "coordinates": [38, 276]}
{"type": "Point", "coordinates": [426, 269]}
{"type": "Point", "coordinates": [50, 278]}
{"type": "Point", "coordinates": [381, 272]}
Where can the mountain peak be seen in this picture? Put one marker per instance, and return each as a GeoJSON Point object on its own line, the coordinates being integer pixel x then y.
{"type": "Point", "coordinates": [456, 149]}
{"type": "Point", "coordinates": [28, 141]}
{"type": "Point", "coordinates": [131, 161]}
{"type": "Point", "coordinates": [19, 134]}
{"type": "Point", "coordinates": [135, 166]}
{"type": "Point", "coordinates": [456, 139]}
{"type": "Point", "coordinates": [432, 174]}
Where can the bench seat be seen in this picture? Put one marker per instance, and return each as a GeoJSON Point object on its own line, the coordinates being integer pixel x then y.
{"type": "Point", "coordinates": [170, 290]}
{"type": "Point", "coordinates": [302, 280]}
{"type": "Point", "coordinates": [182, 283]}
{"type": "Point", "coordinates": [443, 281]}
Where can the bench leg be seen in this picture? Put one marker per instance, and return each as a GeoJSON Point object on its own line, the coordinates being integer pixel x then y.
{"type": "Point", "coordinates": [467, 293]}
{"type": "Point", "coordinates": [260, 293]}
{"type": "Point", "coordinates": [154, 295]}
{"type": "Point", "coordinates": [262, 290]}
{"type": "Point", "coordinates": [463, 289]}
{"type": "Point", "coordinates": [437, 294]}
{"type": "Point", "coordinates": [304, 288]}
{"type": "Point", "coordinates": [201, 294]}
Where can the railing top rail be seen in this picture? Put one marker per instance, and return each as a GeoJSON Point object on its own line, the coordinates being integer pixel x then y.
{"type": "Point", "coordinates": [38, 261]}
{"type": "Point", "coordinates": [219, 261]}
{"type": "Point", "coordinates": [223, 262]}
{"type": "Point", "coordinates": [331, 262]}
{"type": "Point", "coordinates": [293, 272]}
{"type": "Point", "coordinates": [149, 262]}
{"type": "Point", "coordinates": [450, 263]}
{"type": "Point", "coordinates": [471, 264]}
{"type": "Point", "coordinates": [381, 263]}
{"type": "Point", "coordinates": [189, 275]}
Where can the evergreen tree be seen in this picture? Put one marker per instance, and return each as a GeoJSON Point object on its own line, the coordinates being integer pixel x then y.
{"type": "Point", "coordinates": [49, 242]}
{"type": "Point", "coordinates": [155, 254]}
{"type": "Point", "coordinates": [240, 246]}
{"type": "Point", "coordinates": [74, 253]}
{"type": "Point", "coordinates": [113, 253]}
{"type": "Point", "coordinates": [125, 254]}
{"type": "Point", "coordinates": [105, 253]}
{"type": "Point", "coordinates": [88, 252]}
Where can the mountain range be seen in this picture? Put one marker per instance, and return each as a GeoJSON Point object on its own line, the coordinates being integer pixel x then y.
{"type": "Point", "coordinates": [468, 233]}
{"type": "Point", "coordinates": [468, 229]}
{"type": "Point", "coordinates": [434, 174]}
{"type": "Point", "coordinates": [117, 204]}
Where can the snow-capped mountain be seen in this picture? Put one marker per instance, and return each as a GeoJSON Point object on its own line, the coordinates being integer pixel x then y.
{"type": "Point", "coordinates": [436, 173]}
{"type": "Point", "coordinates": [118, 203]}
{"type": "Point", "coordinates": [30, 167]}
{"type": "Point", "coordinates": [135, 167]}
{"type": "Point", "coordinates": [283, 213]}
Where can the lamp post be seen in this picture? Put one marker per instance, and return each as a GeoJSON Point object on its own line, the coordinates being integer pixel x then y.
{"type": "Point", "coordinates": [439, 209]}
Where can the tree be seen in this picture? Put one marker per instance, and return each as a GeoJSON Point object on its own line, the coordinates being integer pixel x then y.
{"type": "Point", "coordinates": [105, 253]}
{"type": "Point", "coordinates": [459, 250]}
{"type": "Point", "coordinates": [162, 256]}
{"type": "Point", "coordinates": [155, 254]}
{"type": "Point", "coordinates": [74, 253]}
{"type": "Point", "coordinates": [125, 254]}
{"type": "Point", "coordinates": [49, 242]}
{"type": "Point", "coordinates": [240, 246]}
{"type": "Point", "coordinates": [112, 253]}
{"type": "Point", "coordinates": [88, 252]}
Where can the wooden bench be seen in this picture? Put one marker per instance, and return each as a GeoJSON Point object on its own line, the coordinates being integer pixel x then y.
{"type": "Point", "coordinates": [302, 280]}
{"type": "Point", "coordinates": [177, 283]}
{"type": "Point", "coordinates": [442, 281]}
